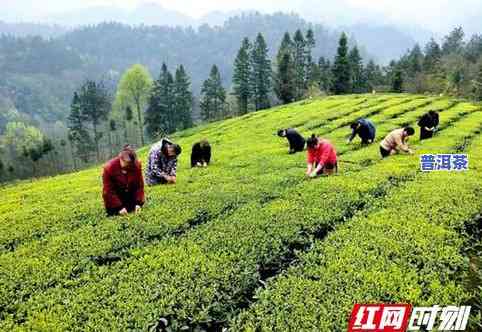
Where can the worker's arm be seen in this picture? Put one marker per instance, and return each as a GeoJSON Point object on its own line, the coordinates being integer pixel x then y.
{"type": "Point", "coordinates": [171, 171]}
{"type": "Point", "coordinates": [309, 169]}
{"type": "Point", "coordinates": [310, 159]}
{"type": "Point", "coordinates": [352, 136]}
{"type": "Point", "coordinates": [317, 169]}
{"type": "Point", "coordinates": [402, 145]}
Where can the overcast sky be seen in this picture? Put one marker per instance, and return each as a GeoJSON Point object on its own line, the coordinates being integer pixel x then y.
{"type": "Point", "coordinates": [436, 15]}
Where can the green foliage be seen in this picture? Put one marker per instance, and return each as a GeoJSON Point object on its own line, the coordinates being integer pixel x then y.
{"type": "Point", "coordinates": [25, 145]}
{"type": "Point", "coordinates": [397, 82]}
{"type": "Point", "coordinates": [357, 71]}
{"type": "Point", "coordinates": [454, 41]}
{"type": "Point", "coordinates": [260, 74]}
{"type": "Point", "coordinates": [299, 64]}
{"type": "Point", "coordinates": [92, 104]}
{"type": "Point", "coordinates": [342, 82]}
{"type": "Point", "coordinates": [183, 99]}
{"type": "Point", "coordinates": [213, 97]}
{"type": "Point", "coordinates": [78, 131]}
{"type": "Point", "coordinates": [199, 252]}
{"type": "Point", "coordinates": [133, 91]}
{"type": "Point", "coordinates": [241, 77]}
{"type": "Point", "coordinates": [284, 84]}
{"type": "Point", "coordinates": [326, 75]}
{"type": "Point", "coordinates": [413, 258]}
{"type": "Point", "coordinates": [160, 116]}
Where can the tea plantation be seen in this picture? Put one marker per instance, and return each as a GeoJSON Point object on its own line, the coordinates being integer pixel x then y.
{"type": "Point", "coordinates": [248, 244]}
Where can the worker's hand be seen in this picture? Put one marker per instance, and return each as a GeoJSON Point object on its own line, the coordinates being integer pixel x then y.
{"type": "Point", "coordinates": [138, 208]}
{"type": "Point", "coordinates": [198, 164]}
{"type": "Point", "coordinates": [313, 174]}
{"type": "Point", "coordinates": [410, 151]}
{"type": "Point", "coordinates": [205, 164]}
{"type": "Point", "coordinates": [123, 212]}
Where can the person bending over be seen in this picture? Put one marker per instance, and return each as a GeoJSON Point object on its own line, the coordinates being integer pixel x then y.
{"type": "Point", "coordinates": [396, 141]}
{"type": "Point", "coordinates": [295, 140]}
{"type": "Point", "coordinates": [363, 128]}
{"type": "Point", "coordinates": [123, 185]}
{"type": "Point", "coordinates": [321, 157]}
{"type": "Point", "coordinates": [201, 154]}
{"type": "Point", "coordinates": [428, 124]}
{"type": "Point", "coordinates": [162, 163]}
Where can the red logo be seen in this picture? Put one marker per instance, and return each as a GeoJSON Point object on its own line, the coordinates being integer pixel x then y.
{"type": "Point", "coordinates": [379, 318]}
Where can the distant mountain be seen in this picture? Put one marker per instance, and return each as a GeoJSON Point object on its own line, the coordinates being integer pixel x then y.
{"type": "Point", "coordinates": [386, 42]}
{"type": "Point", "coordinates": [155, 14]}
{"type": "Point", "coordinates": [31, 29]}
{"type": "Point", "coordinates": [218, 18]}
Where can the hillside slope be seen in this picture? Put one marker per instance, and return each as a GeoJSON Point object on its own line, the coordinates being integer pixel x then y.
{"type": "Point", "coordinates": [249, 243]}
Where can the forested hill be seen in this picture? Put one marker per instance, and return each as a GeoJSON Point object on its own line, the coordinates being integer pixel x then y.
{"type": "Point", "coordinates": [39, 75]}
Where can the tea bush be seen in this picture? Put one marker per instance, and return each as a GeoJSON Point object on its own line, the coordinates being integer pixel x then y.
{"type": "Point", "coordinates": [200, 249]}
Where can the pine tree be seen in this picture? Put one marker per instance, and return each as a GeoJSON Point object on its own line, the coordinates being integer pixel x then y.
{"type": "Point", "coordinates": [341, 69]}
{"type": "Point", "coordinates": [373, 75]}
{"type": "Point", "coordinates": [213, 97]}
{"type": "Point", "coordinates": [160, 116]}
{"type": "Point", "coordinates": [415, 60]}
{"type": "Point", "coordinates": [241, 76]}
{"type": "Point", "coordinates": [357, 71]}
{"type": "Point", "coordinates": [95, 106]}
{"type": "Point", "coordinates": [78, 134]}
{"type": "Point", "coordinates": [397, 81]}
{"type": "Point", "coordinates": [454, 42]}
{"type": "Point", "coordinates": [299, 59]}
{"type": "Point", "coordinates": [260, 74]}
{"type": "Point", "coordinates": [433, 54]}
{"type": "Point", "coordinates": [182, 99]}
{"type": "Point", "coordinates": [284, 76]}
{"type": "Point", "coordinates": [326, 75]}
{"type": "Point", "coordinates": [311, 66]}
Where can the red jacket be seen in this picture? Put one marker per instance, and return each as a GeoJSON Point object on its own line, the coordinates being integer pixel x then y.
{"type": "Point", "coordinates": [325, 153]}
{"type": "Point", "coordinates": [122, 190]}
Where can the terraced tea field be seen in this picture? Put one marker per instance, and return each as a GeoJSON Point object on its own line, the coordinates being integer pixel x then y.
{"type": "Point", "coordinates": [249, 244]}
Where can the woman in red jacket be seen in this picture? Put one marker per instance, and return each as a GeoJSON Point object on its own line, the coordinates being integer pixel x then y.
{"type": "Point", "coordinates": [321, 157]}
{"type": "Point", "coordinates": [123, 190]}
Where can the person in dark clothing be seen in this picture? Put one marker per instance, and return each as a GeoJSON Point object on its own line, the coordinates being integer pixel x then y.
{"type": "Point", "coordinates": [363, 128]}
{"type": "Point", "coordinates": [296, 141]}
{"type": "Point", "coordinates": [201, 154]}
{"type": "Point", "coordinates": [123, 185]}
{"type": "Point", "coordinates": [428, 124]}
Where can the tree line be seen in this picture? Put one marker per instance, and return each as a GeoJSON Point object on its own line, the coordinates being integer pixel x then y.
{"type": "Point", "coordinates": [452, 67]}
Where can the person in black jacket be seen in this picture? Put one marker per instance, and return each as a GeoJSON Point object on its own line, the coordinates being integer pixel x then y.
{"type": "Point", "coordinates": [296, 141]}
{"type": "Point", "coordinates": [363, 128]}
{"type": "Point", "coordinates": [201, 154]}
{"type": "Point", "coordinates": [428, 124]}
